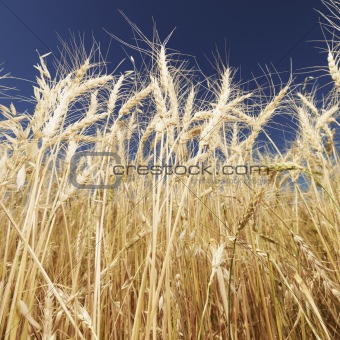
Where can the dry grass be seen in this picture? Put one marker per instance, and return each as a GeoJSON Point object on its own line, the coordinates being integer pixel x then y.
{"type": "Point", "coordinates": [172, 258]}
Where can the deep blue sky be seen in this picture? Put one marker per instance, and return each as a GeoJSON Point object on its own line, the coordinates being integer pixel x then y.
{"type": "Point", "coordinates": [255, 33]}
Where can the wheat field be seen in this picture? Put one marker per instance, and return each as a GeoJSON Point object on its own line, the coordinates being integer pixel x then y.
{"type": "Point", "coordinates": [206, 255]}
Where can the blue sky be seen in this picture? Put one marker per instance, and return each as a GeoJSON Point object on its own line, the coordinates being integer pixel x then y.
{"type": "Point", "coordinates": [254, 33]}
